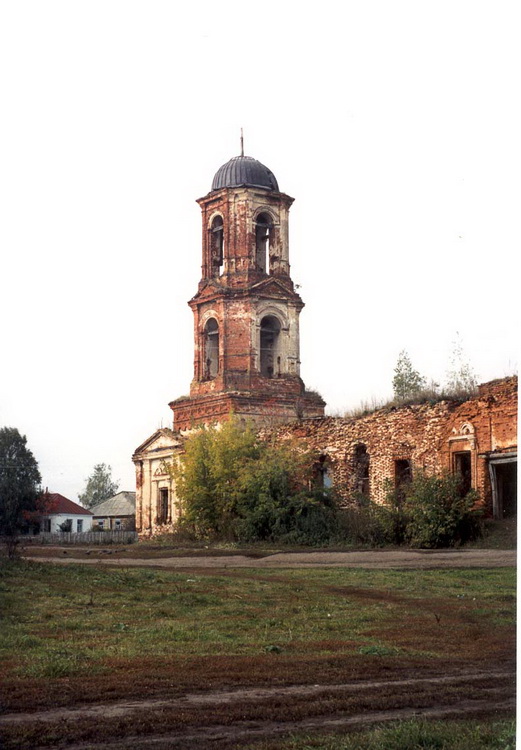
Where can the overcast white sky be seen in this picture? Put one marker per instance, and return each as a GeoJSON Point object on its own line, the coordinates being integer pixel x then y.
{"type": "Point", "coordinates": [394, 125]}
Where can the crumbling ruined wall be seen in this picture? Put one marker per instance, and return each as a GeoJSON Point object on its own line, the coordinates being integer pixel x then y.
{"type": "Point", "coordinates": [485, 426]}
{"type": "Point", "coordinates": [426, 436]}
{"type": "Point", "coordinates": [411, 433]}
{"type": "Point", "coordinates": [381, 444]}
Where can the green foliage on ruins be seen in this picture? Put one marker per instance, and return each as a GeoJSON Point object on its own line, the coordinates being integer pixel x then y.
{"type": "Point", "coordinates": [437, 514]}
{"type": "Point", "coordinates": [409, 387]}
{"type": "Point", "coordinates": [233, 485]}
{"type": "Point", "coordinates": [460, 378]}
{"type": "Point", "coordinates": [407, 382]}
{"type": "Point", "coordinates": [429, 512]}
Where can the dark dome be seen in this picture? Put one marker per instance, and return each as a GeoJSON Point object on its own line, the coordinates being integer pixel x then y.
{"type": "Point", "coordinates": [244, 170]}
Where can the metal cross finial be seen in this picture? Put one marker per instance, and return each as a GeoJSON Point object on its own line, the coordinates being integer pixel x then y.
{"type": "Point", "coordinates": [242, 144]}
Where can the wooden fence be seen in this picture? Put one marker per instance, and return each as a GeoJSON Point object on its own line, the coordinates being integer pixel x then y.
{"type": "Point", "coordinates": [85, 537]}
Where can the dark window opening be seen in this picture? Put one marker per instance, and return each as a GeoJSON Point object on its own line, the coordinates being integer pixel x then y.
{"type": "Point", "coordinates": [323, 473]}
{"type": "Point", "coordinates": [211, 349]}
{"type": "Point", "coordinates": [462, 465]}
{"type": "Point", "coordinates": [162, 505]}
{"type": "Point", "coordinates": [217, 245]}
{"type": "Point", "coordinates": [79, 526]}
{"type": "Point", "coordinates": [269, 339]}
{"type": "Point", "coordinates": [47, 524]}
{"type": "Point", "coordinates": [263, 231]}
{"type": "Point", "coordinates": [402, 476]}
{"type": "Point", "coordinates": [361, 470]}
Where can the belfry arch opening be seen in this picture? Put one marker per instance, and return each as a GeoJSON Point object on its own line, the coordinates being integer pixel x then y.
{"type": "Point", "coordinates": [217, 246]}
{"type": "Point", "coordinates": [270, 358]}
{"type": "Point", "coordinates": [263, 237]}
{"type": "Point", "coordinates": [211, 349]}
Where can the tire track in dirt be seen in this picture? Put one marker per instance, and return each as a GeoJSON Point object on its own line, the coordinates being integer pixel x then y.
{"type": "Point", "coordinates": [223, 736]}
{"type": "Point", "coordinates": [121, 708]}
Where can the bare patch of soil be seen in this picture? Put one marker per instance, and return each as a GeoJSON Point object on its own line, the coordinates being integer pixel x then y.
{"type": "Point", "coordinates": [228, 718]}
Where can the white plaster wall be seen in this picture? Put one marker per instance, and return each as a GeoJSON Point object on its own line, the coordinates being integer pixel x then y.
{"type": "Point", "coordinates": [59, 518]}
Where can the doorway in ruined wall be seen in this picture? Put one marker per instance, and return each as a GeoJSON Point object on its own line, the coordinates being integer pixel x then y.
{"type": "Point", "coordinates": [162, 505]}
{"type": "Point", "coordinates": [462, 467]}
{"type": "Point", "coordinates": [361, 470]}
{"type": "Point", "coordinates": [503, 478]}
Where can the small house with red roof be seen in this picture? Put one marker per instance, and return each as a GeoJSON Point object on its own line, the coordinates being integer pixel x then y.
{"type": "Point", "coordinates": [62, 514]}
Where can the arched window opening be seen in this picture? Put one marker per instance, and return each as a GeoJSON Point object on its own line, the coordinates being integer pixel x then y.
{"type": "Point", "coordinates": [211, 349]}
{"type": "Point", "coordinates": [263, 233]}
{"type": "Point", "coordinates": [361, 470]}
{"type": "Point", "coordinates": [269, 341]}
{"type": "Point", "coordinates": [217, 245]}
{"type": "Point", "coordinates": [402, 476]}
{"type": "Point", "coordinates": [323, 473]}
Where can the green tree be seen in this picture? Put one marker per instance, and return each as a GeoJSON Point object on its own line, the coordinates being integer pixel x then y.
{"type": "Point", "coordinates": [232, 484]}
{"type": "Point", "coordinates": [207, 476]}
{"type": "Point", "coordinates": [100, 486]}
{"type": "Point", "coordinates": [460, 378]}
{"type": "Point", "coordinates": [407, 382]}
{"type": "Point", "coordinates": [19, 484]}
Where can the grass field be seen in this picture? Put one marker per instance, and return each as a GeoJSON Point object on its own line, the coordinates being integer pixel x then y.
{"type": "Point", "coordinates": [296, 648]}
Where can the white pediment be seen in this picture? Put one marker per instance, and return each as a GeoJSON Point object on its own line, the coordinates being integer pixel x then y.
{"type": "Point", "coordinates": [164, 440]}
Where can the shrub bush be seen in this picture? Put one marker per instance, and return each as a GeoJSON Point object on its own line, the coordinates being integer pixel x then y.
{"type": "Point", "coordinates": [233, 485]}
{"type": "Point", "coordinates": [429, 512]}
{"type": "Point", "coordinates": [437, 515]}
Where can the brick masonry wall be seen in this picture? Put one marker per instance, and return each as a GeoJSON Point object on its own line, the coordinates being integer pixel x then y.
{"type": "Point", "coordinates": [426, 435]}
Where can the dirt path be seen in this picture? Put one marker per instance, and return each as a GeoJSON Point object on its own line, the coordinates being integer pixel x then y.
{"type": "Point", "coordinates": [495, 694]}
{"type": "Point", "coordinates": [246, 732]}
{"type": "Point", "coordinates": [419, 559]}
{"type": "Point", "coordinates": [121, 708]}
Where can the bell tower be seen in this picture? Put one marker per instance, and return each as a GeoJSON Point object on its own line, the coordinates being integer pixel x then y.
{"type": "Point", "coordinates": [246, 310]}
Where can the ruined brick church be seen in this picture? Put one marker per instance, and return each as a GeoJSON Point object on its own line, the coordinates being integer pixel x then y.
{"type": "Point", "coordinates": [247, 363]}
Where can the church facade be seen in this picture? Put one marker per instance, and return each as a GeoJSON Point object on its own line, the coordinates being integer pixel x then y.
{"type": "Point", "coordinates": [247, 363]}
{"type": "Point", "coordinates": [246, 329]}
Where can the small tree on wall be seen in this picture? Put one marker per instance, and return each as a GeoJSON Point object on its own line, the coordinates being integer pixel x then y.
{"type": "Point", "coordinates": [407, 382]}
{"type": "Point", "coordinates": [461, 379]}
